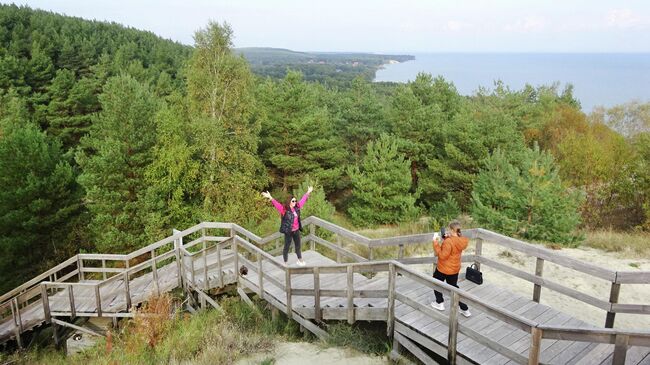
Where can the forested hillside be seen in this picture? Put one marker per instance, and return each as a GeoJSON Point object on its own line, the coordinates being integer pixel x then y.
{"type": "Point", "coordinates": [332, 69]}
{"type": "Point", "coordinates": [111, 136]}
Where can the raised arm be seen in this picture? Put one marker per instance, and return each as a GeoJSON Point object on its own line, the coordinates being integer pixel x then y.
{"type": "Point", "coordinates": [304, 198]}
{"type": "Point", "coordinates": [276, 204]}
{"type": "Point", "coordinates": [442, 251]}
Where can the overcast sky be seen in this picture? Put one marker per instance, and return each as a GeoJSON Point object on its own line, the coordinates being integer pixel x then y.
{"type": "Point", "coordinates": [388, 26]}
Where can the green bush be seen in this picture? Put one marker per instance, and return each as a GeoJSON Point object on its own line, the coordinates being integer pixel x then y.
{"type": "Point", "coordinates": [522, 195]}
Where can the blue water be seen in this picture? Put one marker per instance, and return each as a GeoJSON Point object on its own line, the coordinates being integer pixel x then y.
{"type": "Point", "coordinates": [602, 79]}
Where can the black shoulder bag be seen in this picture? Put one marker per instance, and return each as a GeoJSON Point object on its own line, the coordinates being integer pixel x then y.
{"type": "Point", "coordinates": [473, 274]}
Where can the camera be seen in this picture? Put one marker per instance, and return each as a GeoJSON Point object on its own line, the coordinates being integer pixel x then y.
{"type": "Point", "coordinates": [443, 233]}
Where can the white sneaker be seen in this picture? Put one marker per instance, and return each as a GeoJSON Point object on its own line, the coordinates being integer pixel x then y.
{"type": "Point", "coordinates": [301, 263]}
{"type": "Point", "coordinates": [438, 306]}
{"type": "Point", "coordinates": [466, 313]}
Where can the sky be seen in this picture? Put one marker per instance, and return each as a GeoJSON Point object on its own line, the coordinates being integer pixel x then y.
{"type": "Point", "coordinates": [410, 26]}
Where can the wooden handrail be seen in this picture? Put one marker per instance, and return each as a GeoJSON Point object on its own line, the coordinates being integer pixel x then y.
{"type": "Point", "coordinates": [620, 338]}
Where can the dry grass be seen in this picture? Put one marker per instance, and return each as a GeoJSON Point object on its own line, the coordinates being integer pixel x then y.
{"type": "Point", "coordinates": [153, 337]}
{"type": "Point", "coordinates": [627, 243]}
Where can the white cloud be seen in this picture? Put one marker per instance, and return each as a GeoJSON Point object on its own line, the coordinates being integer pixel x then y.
{"type": "Point", "coordinates": [456, 26]}
{"type": "Point", "coordinates": [625, 19]}
{"type": "Point", "coordinates": [528, 24]}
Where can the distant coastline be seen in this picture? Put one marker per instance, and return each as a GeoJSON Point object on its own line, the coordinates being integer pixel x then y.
{"type": "Point", "coordinates": [598, 79]}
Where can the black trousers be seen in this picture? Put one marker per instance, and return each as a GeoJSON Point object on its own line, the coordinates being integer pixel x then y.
{"type": "Point", "coordinates": [295, 236]}
{"type": "Point", "coordinates": [451, 280]}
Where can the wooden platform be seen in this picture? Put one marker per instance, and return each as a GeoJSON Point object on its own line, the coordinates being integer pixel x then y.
{"type": "Point", "coordinates": [113, 300]}
{"type": "Point", "coordinates": [504, 327]}
{"type": "Point", "coordinates": [419, 327]}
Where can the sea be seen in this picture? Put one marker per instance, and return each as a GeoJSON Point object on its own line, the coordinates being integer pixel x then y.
{"type": "Point", "coordinates": [599, 79]}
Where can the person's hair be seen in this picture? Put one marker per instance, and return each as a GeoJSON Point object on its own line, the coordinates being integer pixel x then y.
{"type": "Point", "coordinates": [455, 226]}
{"type": "Point", "coordinates": [287, 203]}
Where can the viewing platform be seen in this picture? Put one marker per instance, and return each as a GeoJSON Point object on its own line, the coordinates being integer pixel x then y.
{"type": "Point", "coordinates": [343, 281]}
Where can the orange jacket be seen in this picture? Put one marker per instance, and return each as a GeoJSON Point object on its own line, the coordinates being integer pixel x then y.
{"type": "Point", "coordinates": [449, 254]}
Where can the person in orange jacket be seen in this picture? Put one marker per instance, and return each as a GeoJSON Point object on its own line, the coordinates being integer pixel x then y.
{"type": "Point", "coordinates": [448, 267]}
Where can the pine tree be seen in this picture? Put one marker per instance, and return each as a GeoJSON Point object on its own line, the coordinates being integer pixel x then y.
{"type": "Point", "coordinates": [37, 201]}
{"type": "Point", "coordinates": [418, 127]}
{"type": "Point", "coordinates": [362, 117]}
{"type": "Point", "coordinates": [173, 196]}
{"type": "Point", "coordinates": [114, 157]}
{"type": "Point", "coordinates": [298, 135]}
{"type": "Point", "coordinates": [381, 185]}
{"type": "Point", "coordinates": [522, 195]}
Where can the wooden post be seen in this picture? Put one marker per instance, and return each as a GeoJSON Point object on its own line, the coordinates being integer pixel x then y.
{"type": "Point", "coordinates": [478, 252]}
{"type": "Point", "coordinates": [287, 284]}
{"type": "Point", "coordinates": [390, 323]}
{"type": "Point", "coordinates": [453, 328]}
{"type": "Point", "coordinates": [192, 275]}
{"type": "Point", "coordinates": [205, 261]}
{"type": "Point", "coordinates": [613, 299]}
{"type": "Point", "coordinates": [260, 275]}
{"type": "Point", "coordinates": [154, 271]}
{"type": "Point", "coordinates": [80, 266]}
{"type": "Point", "coordinates": [98, 301]}
{"type": "Point", "coordinates": [46, 304]}
{"type": "Point", "coordinates": [535, 346]}
{"type": "Point", "coordinates": [55, 335]}
{"type": "Point", "coordinates": [317, 311]}
{"type": "Point", "coordinates": [19, 316]}
{"type": "Point", "coordinates": [236, 257]}
{"type": "Point", "coordinates": [620, 349]}
{"type": "Point", "coordinates": [219, 268]}
{"type": "Point", "coordinates": [338, 243]}
{"type": "Point", "coordinates": [312, 231]}
{"type": "Point", "coordinates": [103, 269]}
{"type": "Point", "coordinates": [17, 328]}
{"type": "Point", "coordinates": [400, 254]}
{"type": "Point", "coordinates": [179, 265]}
{"type": "Point", "coordinates": [370, 255]}
{"type": "Point", "coordinates": [127, 290]}
{"type": "Point", "coordinates": [73, 308]}
{"type": "Point", "coordinates": [537, 289]}
{"type": "Point", "coordinates": [350, 294]}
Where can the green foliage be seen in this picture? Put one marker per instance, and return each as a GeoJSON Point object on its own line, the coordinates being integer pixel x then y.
{"type": "Point", "coordinates": [38, 201]}
{"type": "Point", "coordinates": [317, 205]}
{"type": "Point", "coordinates": [36, 46]}
{"type": "Point", "coordinates": [641, 143]}
{"type": "Point", "coordinates": [416, 125]}
{"type": "Point", "coordinates": [462, 145]}
{"type": "Point", "coordinates": [298, 135]}
{"type": "Point", "coordinates": [444, 211]}
{"type": "Point", "coordinates": [173, 196]}
{"type": "Point", "coordinates": [522, 195]}
{"type": "Point", "coordinates": [381, 185]}
{"type": "Point", "coordinates": [220, 99]}
{"type": "Point", "coordinates": [332, 69]}
{"type": "Point", "coordinates": [115, 156]}
{"type": "Point", "coordinates": [362, 117]}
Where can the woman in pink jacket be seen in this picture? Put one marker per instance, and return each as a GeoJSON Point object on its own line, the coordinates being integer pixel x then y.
{"type": "Point", "coordinates": [290, 224]}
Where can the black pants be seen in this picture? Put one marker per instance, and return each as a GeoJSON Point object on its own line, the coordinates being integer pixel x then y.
{"type": "Point", "coordinates": [451, 280]}
{"type": "Point", "coordinates": [295, 235]}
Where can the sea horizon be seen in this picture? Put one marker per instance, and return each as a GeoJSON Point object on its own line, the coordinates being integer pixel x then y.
{"type": "Point", "coordinates": [598, 78]}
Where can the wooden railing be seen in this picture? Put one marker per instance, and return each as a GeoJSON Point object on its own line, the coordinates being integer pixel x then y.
{"type": "Point", "coordinates": [260, 259]}
{"type": "Point", "coordinates": [541, 255]}
{"type": "Point", "coordinates": [251, 250]}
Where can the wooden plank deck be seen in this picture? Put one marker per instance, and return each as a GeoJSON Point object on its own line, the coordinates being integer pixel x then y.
{"type": "Point", "coordinates": [422, 326]}
{"type": "Point", "coordinates": [431, 329]}
{"type": "Point", "coordinates": [113, 298]}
